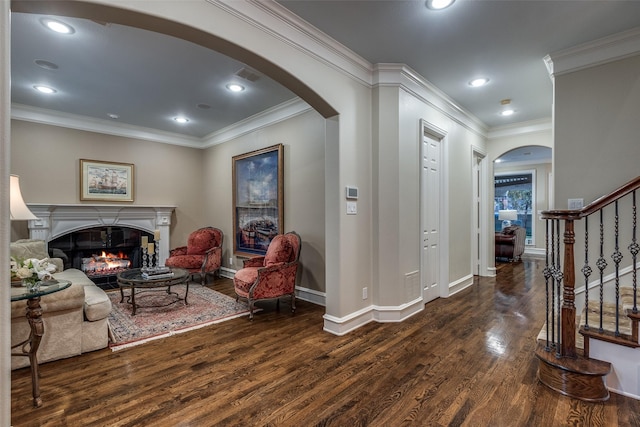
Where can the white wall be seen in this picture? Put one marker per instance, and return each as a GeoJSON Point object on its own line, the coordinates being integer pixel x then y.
{"type": "Point", "coordinates": [515, 138]}
{"type": "Point", "coordinates": [47, 160]}
{"type": "Point", "coordinates": [596, 130]}
{"type": "Point", "coordinates": [303, 140]}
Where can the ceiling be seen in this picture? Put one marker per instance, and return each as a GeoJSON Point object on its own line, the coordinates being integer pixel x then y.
{"type": "Point", "coordinates": [147, 79]}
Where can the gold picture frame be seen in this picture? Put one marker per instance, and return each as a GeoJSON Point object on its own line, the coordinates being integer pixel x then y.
{"type": "Point", "coordinates": [106, 181]}
{"type": "Point", "coordinates": [258, 205]}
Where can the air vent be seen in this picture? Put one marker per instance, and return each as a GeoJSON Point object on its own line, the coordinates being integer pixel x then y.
{"type": "Point", "coordinates": [248, 74]}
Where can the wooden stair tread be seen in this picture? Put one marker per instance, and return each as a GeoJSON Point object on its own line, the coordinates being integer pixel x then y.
{"type": "Point", "coordinates": [581, 365]}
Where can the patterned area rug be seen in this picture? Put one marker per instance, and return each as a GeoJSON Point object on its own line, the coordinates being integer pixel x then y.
{"type": "Point", "coordinates": [152, 321]}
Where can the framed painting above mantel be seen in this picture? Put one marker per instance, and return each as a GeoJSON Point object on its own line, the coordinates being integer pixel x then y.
{"type": "Point", "coordinates": [258, 206]}
{"type": "Point", "coordinates": [106, 181]}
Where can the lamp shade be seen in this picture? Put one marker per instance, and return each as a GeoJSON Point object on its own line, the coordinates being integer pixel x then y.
{"type": "Point", "coordinates": [17, 207]}
{"type": "Point", "coordinates": [508, 215]}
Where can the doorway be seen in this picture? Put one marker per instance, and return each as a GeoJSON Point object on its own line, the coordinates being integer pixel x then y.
{"type": "Point", "coordinates": [430, 208]}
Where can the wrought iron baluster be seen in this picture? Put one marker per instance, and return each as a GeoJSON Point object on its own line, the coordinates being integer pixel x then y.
{"type": "Point", "coordinates": [558, 279]}
{"type": "Point", "coordinates": [553, 283]}
{"type": "Point", "coordinates": [601, 264]}
{"type": "Point", "coordinates": [634, 248]}
{"type": "Point", "coordinates": [547, 275]}
{"type": "Point", "coordinates": [586, 271]}
{"type": "Point", "coordinates": [617, 258]}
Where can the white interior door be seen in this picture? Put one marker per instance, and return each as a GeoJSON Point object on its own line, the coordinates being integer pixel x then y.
{"type": "Point", "coordinates": [430, 201]}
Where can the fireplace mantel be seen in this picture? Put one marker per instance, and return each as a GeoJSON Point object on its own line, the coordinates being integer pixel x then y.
{"type": "Point", "coordinates": [56, 220]}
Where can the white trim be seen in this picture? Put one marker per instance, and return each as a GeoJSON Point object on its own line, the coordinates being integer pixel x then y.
{"type": "Point", "coordinates": [460, 284]}
{"type": "Point", "coordinates": [266, 118]}
{"type": "Point", "coordinates": [90, 124]}
{"type": "Point", "coordinates": [597, 52]}
{"type": "Point", "coordinates": [278, 22]}
{"type": "Point", "coordinates": [522, 128]}
{"type": "Point", "coordinates": [343, 325]}
{"type": "Point", "coordinates": [403, 76]}
{"type": "Point", "coordinates": [269, 117]}
{"type": "Point", "coordinates": [373, 313]}
{"type": "Point", "coordinates": [56, 220]}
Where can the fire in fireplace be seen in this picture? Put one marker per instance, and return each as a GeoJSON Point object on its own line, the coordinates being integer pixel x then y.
{"type": "Point", "coordinates": [101, 252]}
{"type": "Point", "coordinates": [105, 264]}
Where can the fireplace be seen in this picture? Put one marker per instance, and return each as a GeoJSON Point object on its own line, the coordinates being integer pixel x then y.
{"type": "Point", "coordinates": [100, 252]}
{"type": "Point", "coordinates": [80, 233]}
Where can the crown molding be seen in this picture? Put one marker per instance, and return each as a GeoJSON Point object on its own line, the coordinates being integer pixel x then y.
{"type": "Point", "coordinates": [90, 124]}
{"type": "Point", "coordinates": [279, 113]}
{"type": "Point", "coordinates": [597, 52]}
{"type": "Point", "coordinates": [274, 19]}
{"type": "Point", "coordinates": [274, 115]}
{"type": "Point", "coordinates": [522, 128]}
{"type": "Point", "coordinates": [394, 75]}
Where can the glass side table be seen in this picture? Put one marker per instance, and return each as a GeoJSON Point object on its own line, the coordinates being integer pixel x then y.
{"type": "Point", "coordinates": [29, 347]}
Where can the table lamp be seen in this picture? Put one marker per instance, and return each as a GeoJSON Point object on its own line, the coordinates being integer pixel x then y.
{"type": "Point", "coordinates": [506, 216]}
{"type": "Point", "coordinates": [17, 207]}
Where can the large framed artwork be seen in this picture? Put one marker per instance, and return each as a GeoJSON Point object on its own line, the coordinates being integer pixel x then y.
{"type": "Point", "coordinates": [258, 208]}
{"type": "Point", "coordinates": [106, 181]}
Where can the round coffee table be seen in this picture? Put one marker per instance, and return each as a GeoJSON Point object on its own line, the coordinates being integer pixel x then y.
{"type": "Point", "coordinates": [134, 280]}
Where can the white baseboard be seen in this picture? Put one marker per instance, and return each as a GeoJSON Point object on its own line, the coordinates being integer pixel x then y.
{"type": "Point", "coordinates": [460, 285]}
{"type": "Point", "coordinates": [381, 314]}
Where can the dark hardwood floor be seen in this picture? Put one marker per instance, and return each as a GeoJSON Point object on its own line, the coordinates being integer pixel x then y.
{"type": "Point", "coordinates": [465, 361]}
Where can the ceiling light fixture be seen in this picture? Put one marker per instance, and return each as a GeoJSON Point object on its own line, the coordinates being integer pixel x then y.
{"type": "Point", "coordinates": [47, 65]}
{"type": "Point", "coordinates": [481, 81]}
{"type": "Point", "coordinates": [44, 89]}
{"type": "Point", "coordinates": [113, 116]}
{"type": "Point", "coordinates": [506, 108]}
{"type": "Point", "coordinates": [57, 26]}
{"type": "Point", "coordinates": [234, 87]}
{"type": "Point", "coordinates": [439, 4]}
{"type": "Point", "coordinates": [181, 119]}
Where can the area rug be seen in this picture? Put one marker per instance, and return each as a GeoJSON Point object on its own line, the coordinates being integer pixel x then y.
{"type": "Point", "coordinates": [151, 321]}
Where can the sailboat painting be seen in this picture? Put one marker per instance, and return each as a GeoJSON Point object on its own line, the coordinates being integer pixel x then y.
{"type": "Point", "coordinates": [257, 199]}
{"type": "Point", "coordinates": [106, 181]}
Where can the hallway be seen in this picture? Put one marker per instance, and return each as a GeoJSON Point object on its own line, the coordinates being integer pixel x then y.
{"type": "Point", "coordinates": [465, 361]}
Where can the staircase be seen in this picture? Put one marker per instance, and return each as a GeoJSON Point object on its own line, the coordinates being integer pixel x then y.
{"type": "Point", "coordinates": [583, 356]}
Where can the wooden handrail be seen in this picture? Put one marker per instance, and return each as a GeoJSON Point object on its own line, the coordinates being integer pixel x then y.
{"type": "Point", "coordinates": [594, 206]}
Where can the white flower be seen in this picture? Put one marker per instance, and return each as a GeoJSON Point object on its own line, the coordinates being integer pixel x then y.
{"type": "Point", "coordinates": [32, 268]}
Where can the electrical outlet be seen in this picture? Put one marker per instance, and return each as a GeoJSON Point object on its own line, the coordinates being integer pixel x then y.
{"type": "Point", "coordinates": [230, 260]}
{"type": "Point", "coordinates": [364, 293]}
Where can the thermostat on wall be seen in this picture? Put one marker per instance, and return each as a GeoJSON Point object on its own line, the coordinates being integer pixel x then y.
{"type": "Point", "coordinates": [352, 192]}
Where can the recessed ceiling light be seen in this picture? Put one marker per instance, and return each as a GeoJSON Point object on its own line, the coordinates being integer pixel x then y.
{"type": "Point", "coordinates": [234, 87]}
{"type": "Point", "coordinates": [181, 119]}
{"type": "Point", "coordinates": [439, 4]}
{"type": "Point", "coordinates": [46, 64]}
{"type": "Point", "coordinates": [507, 112]}
{"type": "Point", "coordinates": [479, 82]}
{"type": "Point", "coordinates": [44, 89]}
{"type": "Point", "coordinates": [113, 116]}
{"type": "Point", "coordinates": [57, 26]}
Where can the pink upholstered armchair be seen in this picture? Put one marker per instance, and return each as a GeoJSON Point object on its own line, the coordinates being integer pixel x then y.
{"type": "Point", "coordinates": [202, 255]}
{"type": "Point", "coordinates": [272, 275]}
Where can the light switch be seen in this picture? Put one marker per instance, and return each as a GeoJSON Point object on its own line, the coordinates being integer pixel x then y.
{"type": "Point", "coordinates": [575, 204]}
{"type": "Point", "coordinates": [352, 208]}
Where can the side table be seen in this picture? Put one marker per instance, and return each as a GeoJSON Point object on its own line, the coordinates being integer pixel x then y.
{"type": "Point", "coordinates": [29, 347]}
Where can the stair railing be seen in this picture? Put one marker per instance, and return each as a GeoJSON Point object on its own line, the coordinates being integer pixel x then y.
{"type": "Point", "coordinates": [560, 277]}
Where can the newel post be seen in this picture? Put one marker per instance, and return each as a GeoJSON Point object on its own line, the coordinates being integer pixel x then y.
{"type": "Point", "coordinates": [568, 316]}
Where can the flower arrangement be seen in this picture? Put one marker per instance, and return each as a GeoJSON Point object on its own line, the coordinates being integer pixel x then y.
{"type": "Point", "coordinates": [31, 271]}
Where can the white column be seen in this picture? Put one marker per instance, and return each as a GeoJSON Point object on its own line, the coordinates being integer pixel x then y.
{"type": "Point", "coordinates": [163, 223]}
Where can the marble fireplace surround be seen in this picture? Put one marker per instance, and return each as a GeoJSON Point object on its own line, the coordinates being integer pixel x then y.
{"type": "Point", "coordinates": [57, 220]}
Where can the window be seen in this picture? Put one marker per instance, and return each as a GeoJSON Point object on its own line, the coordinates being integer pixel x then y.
{"type": "Point", "coordinates": [515, 191]}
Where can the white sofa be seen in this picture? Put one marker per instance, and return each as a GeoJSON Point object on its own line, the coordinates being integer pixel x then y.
{"type": "Point", "coordinates": [75, 319]}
